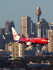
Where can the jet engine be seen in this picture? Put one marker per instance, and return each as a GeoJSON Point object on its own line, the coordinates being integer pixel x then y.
{"type": "Point", "coordinates": [28, 43]}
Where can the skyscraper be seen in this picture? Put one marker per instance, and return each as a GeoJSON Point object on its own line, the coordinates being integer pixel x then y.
{"type": "Point", "coordinates": [8, 26]}
{"type": "Point", "coordinates": [9, 38]}
{"type": "Point", "coordinates": [33, 28]}
{"type": "Point", "coordinates": [2, 31]}
{"type": "Point", "coordinates": [25, 25]}
{"type": "Point", "coordinates": [50, 37]}
{"type": "Point", "coordinates": [18, 50]}
{"type": "Point", "coordinates": [51, 25]}
{"type": "Point", "coordinates": [21, 50]}
{"type": "Point", "coordinates": [42, 27]}
{"type": "Point", "coordinates": [2, 42]}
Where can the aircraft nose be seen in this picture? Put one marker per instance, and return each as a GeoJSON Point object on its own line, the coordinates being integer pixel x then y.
{"type": "Point", "coordinates": [48, 41]}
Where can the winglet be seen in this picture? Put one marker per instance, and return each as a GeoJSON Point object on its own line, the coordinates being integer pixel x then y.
{"type": "Point", "coordinates": [3, 37]}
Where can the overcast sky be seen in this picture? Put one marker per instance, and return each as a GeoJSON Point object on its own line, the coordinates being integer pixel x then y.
{"type": "Point", "coordinates": [15, 9]}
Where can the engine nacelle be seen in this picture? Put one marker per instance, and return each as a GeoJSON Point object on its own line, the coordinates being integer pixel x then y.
{"type": "Point", "coordinates": [28, 43]}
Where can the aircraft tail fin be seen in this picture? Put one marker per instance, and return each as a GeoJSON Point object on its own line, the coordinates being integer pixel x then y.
{"type": "Point", "coordinates": [16, 37]}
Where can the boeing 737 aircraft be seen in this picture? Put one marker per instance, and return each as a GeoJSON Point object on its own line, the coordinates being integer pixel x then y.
{"type": "Point", "coordinates": [29, 41]}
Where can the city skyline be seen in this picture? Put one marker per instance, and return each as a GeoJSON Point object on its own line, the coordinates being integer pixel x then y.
{"type": "Point", "coordinates": [14, 10]}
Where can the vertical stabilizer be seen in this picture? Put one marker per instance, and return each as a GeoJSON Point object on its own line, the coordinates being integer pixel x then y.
{"type": "Point", "coordinates": [16, 37]}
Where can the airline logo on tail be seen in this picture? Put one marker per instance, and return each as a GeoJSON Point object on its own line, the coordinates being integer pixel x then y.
{"type": "Point", "coordinates": [16, 37]}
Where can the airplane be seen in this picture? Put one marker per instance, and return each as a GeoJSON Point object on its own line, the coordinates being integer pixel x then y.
{"type": "Point", "coordinates": [29, 41]}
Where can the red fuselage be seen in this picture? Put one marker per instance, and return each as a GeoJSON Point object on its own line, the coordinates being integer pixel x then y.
{"type": "Point", "coordinates": [35, 40]}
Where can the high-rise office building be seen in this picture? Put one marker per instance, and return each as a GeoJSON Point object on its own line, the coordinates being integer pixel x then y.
{"type": "Point", "coordinates": [21, 50]}
{"type": "Point", "coordinates": [25, 25]}
{"type": "Point", "coordinates": [2, 31]}
{"type": "Point", "coordinates": [50, 37]}
{"type": "Point", "coordinates": [42, 27]}
{"type": "Point", "coordinates": [2, 43]}
{"type": "Point", "coordinates": [33, 28]}
{"type": "Point", "coordinates": [8, 26]}
{"type": "Point", "coordinates": [9, 48]}
{"type": "Point", "coordinates": [9, 38]}
{"type": "Point", "coordinates": [51, 25]}
{"type": "Point", "coordinates": [18, 50]}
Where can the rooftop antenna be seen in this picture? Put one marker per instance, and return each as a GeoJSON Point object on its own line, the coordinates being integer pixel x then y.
{"type": "Point", "coordinates": [38, 3]}
{"type": "Point", "coordinates": [42, 15]}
